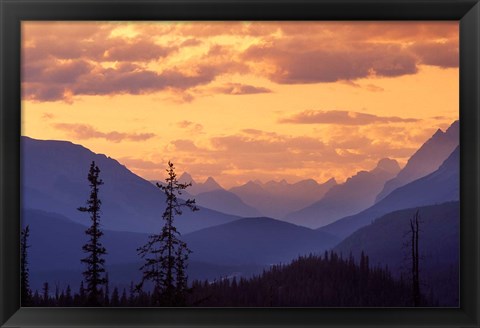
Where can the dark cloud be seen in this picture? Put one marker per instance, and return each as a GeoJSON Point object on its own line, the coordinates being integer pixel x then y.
{"type": "Point", "coordinates": [293, 66]}
{"type": "Point", "coordinates": [141, 50]}
{"type": "Point", "coordinates": [61, 72]}
{"type": "Point", "coordinates": [81, 79]}
{"type": "Point", "coordinates": [84, 131]}
{"type": "Point", "coordinates": [439, 54]}
{"type": "Point", "coordinates": [342, 118]}
{"type": "Point", "coordinates": [43, 92]}
{"type": "Point", "coordinates": [61, 60]}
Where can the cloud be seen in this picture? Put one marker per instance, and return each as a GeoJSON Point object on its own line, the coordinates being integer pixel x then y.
{"type": "Point", "coordinates": [241, 89]}
{"type": "Point", "coordinates": [123, 79]}
{"type": "Point", "coordinates": [141, 50]}
{"type": "Point", "coordinates": [191, 126]}
{"type": "Point", "coordinates": [296, 65]}
{"type": "Point", "coordinates": [60, 72]}
{"type": "Point", "coordinates": [62, 60]}
{"type": "Point", "coordinates": [84, 131]}
{"type": "Point", "coordinates": [140, 163]}
{"type": "Point", "coordinates": [441, 54]}
{"type": "Point", "coordinates": [340, 151]}
{"type": "Point", "coordinates": [191, 43]}
{"type": "Point", "coordinates": [374, 88]}
{"type": "Point", "coordinates": [184, 145]}
{"type": "Point", "coordinates": [342, 117]}
{"type": "Point", "coordinates": [48, 116]}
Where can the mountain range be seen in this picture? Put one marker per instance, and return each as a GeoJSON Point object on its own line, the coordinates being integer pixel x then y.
{"type": "Point", "coordinates": [241, 247]}
{"type": "Point", "coordinates": [356, 194]}
{"type": "Point", "coordinates": [278, 198]}
{"type": "Point", "coordinates": [426, 159]}
{"type": "Point", "coordinates": [230, 235]}
{"type": "Point", "coordinates": [54, 179]}
{"type": "Point", "coordinates": [386, 241]}
{"type": "Point", "coordinates": [438, 187]}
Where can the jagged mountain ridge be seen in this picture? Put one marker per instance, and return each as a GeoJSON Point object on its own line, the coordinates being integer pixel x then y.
{"type": "Point", "coordinates": [425, 160]}
{"type": "Point", "coordinates": [277, 199]}
{"type": "Point", "coordinates": [356, 194]}
{"type": "Point", "coordinates": [441, 186]}
{"type": "Point", "coordinates": [54, 179]}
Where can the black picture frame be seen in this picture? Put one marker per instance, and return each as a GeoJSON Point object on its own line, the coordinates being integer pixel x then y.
{"type": "Point", "coordinates": [13, 12]}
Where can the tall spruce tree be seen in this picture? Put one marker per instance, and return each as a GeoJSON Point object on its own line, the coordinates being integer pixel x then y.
{"type": "Point", "coordinates": [94, 274]}
{"type": "Point", "coordinates": [165, 254]}
{"type": "Point", "coordinates": [26, 293]}
{"type": "Point", "coordinates": [414, 229]}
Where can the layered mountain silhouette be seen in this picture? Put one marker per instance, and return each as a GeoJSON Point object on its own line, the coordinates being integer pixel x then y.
{"type": "Point", "coordinates": [211, 195]}
{"type": "Point", "coordinates": [438, 187]}
{"type": "Point", "coordinates": [256, 241]}
{"type": "Point", "coordinates": [225, 202]}
{"type": "Point", "coordinates": [426, 159]}
{"type": "Point", "coordinates": [348, 198]}
{"type": "Point", "coordinates": [278, 198]}
{"type": "Point", "coordinates": [386, 241]}
{"type": "Point", "coordinates": [54, 179]}
{"type": "Point", "coordinates": [241, 247]}
{"type": "Point", "coordinates": [197, 188]}
{"type": "Point", "coordinates": [56, 251]}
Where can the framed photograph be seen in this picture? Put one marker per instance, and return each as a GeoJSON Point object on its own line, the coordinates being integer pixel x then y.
{"type": "Point", "coordinates": [240, 163]}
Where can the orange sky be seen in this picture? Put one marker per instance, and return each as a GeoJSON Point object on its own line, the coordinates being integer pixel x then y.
{"type": "Point", "coordinates": [241, 101]}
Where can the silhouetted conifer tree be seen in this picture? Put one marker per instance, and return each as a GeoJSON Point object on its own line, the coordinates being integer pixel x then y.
{"type": "Point", "coordinates": [107, 291]}
{"type": "Point", "coordinates": [123, 299]}
{"type": "Point", "coordinates": [115, 299]}
{"type": "Point", "coordinates": [68, 296]}
{"type": "Point", "coordinates": [46, 293]}
{"type": "Point", "coordinates": [82, 293]}
{"type": "Point", "coordinates": [414, 229]}
{"type": "Point", "coordinates": [36, 300]}
{"type": "Point", "coordinates": [131, 296]}
{"type": "Point", "coordinates": [94, 273]}
{"type": "Point", "coordinates": [181, 282]}
{"type": "Point", "coordinates": [26, 293]}
{"type": "Point", "coordinates": [161, 251]}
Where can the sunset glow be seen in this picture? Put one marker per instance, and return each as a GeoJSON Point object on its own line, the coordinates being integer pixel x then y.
{"type": "Point", "coordinates": [241, 101]}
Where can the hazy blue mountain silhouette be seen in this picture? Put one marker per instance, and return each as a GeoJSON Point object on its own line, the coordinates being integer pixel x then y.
{"type": "Point", "coordinates": [199, 187]}
{"type": "Point", "coordinates": [256, 241]}
{"type": "Point", "coordinates": [226, 202]}
{"type": "Point", "coordinates": [54, 179]}
{"type": "Point", "coordinates": [386, 243]}
{"type": "Point", "coordinates": [426, 159]}
{"type": "Point", "coordinates": [348, 198]}
{"type": "Point", "coordinates": [438, 187]}
{"type": "Point", "coordinates": [278, 198]}
{"type": "Point", "coordinates": [55, 254]}
{"type": "Point", "coordinates": [242, 249]}
{"type": "Point", "coordinates": [211, 195]}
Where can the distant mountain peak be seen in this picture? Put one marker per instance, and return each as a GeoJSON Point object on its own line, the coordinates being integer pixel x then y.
{"type": "Point", "coordinates": [453, 129]}
{"type": "Point", "coordinates": [186, 178]}
{"type": "Point", "coordinates": [331, 181]}
{"type": "Point", "coordinates": [210, 183]}
{"type": "Point", "coordinates": [426, 159]}
{"type": "Point", "coordinates": [389, 165]}
{"type": "Point", "coordinates": [439, 132]}
{"type": "Point", "coordinates": [252, 183]}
